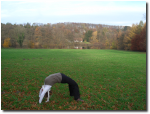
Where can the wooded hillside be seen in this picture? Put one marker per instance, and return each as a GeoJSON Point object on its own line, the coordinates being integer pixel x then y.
{"type": "Point", "coordinates": [71, 35]}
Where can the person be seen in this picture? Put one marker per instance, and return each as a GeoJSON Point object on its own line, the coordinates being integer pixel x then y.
{"type": "Point", "coordinates": [59, 78]}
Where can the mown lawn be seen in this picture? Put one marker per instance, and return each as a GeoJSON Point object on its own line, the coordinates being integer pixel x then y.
{"type": "Point", "coordinates": [108, 79]}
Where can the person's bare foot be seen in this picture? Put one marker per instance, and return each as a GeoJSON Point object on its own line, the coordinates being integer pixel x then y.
{"type": "Point", "coordinates": [80, 100]}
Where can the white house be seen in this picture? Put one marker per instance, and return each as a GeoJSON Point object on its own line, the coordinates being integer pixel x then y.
{"type": "Point", "coordinates": [78, 40]}
{"type": "Point", "coordinates": [78, 47]}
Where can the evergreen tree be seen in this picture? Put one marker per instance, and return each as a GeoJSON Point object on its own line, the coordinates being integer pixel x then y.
{"type": "Point", "coordinates": [88, 35]}
{"type": "Point", "coordinates": [20, 39]}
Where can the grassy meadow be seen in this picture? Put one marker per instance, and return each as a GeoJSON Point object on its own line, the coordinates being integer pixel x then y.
{"type": "Point", "coordinates": [107, 79]}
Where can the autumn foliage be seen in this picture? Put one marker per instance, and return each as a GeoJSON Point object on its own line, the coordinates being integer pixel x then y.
{"type": "Point", "coordinates": [139, 41]}
{"type": "Point", "coordinates": [62, 35]}
{"type": "Point", "coordinates": [7, 43]}
{"type": "Point", "coordinates": [31, 44]}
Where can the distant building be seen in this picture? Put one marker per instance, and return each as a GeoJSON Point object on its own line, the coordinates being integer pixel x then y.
{"type": "Point", "coordinates": [78, 40]}
{"type": "Point", "coordinates": [82, 31]}
{"type": "Point", "coordinates": [78, 47]}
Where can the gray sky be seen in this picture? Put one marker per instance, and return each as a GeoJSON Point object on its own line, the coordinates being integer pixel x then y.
{"type": "Point", "coordinates": [97, 12]}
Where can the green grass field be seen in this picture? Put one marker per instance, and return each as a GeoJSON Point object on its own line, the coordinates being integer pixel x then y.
{"type": "Point", "coordinates": [107, 79]}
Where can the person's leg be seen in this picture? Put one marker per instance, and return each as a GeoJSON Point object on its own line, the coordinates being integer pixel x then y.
{"type": "Point", "coordinates": [71, 90]}
{"type": "Point", "coordinates": [73, 86]}
{"type": "Point", "coordinates": [76, 92]}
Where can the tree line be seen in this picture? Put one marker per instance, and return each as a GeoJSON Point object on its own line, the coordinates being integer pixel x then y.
{"type": "Point", "coordinates": [63, 35]}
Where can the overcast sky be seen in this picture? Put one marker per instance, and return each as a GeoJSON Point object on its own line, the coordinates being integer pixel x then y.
{"type": "Point", "coordinates": [98, 12]}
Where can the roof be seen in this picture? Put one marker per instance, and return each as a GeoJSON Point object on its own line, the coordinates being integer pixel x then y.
{"type": "Point", "coordinates": [79, 39]}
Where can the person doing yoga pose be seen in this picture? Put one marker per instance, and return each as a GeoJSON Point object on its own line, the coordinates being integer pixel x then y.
{"type": "Point", "coordinates": [59, 78]}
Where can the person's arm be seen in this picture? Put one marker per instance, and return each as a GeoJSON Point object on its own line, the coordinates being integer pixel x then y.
{"type": "Point", "coordinates": [40, 92]}
{"type": "Point", "coordinates": [48, 96]}
{"type": "Point", "coordinates": [45, 89]}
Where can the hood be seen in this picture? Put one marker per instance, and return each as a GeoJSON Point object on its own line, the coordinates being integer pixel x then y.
{"type": "Point", "coordinates": [43, 90]}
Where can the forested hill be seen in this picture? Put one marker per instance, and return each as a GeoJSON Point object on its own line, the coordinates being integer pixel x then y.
{"type": "Point", "coordinates": [69, 35]}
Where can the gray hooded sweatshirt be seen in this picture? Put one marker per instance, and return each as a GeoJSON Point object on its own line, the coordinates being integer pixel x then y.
{"type": "Point", "coordinates": [53, 78]}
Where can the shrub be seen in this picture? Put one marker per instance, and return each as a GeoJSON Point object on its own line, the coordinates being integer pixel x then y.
{"type": "Point", "coordinates": [7, 43]}
{"type": "Point", "coordinates": [31, 44]}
